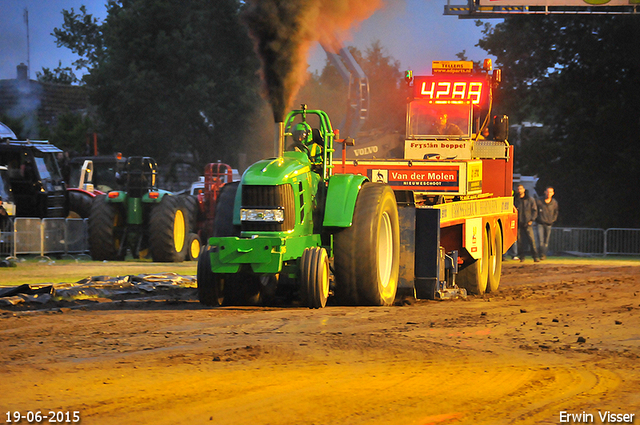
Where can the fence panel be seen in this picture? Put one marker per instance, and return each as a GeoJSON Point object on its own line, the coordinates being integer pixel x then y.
{"type": "Point", "coordinates": [578, 240]}
{"type": "Point", "coordinates": [27, 236]}
{"type": "Point", "coordinates": [76, 238]}
{"type": "Point", "coordinates": [53, 233]}
{"type": "Point", "coordinates": [622, 241]}
{"type": "Point", "coordinates": [6, 241]}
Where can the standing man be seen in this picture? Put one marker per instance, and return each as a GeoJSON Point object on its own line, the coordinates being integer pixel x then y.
{"type": "Point", "coordinates": [527, 214]}
{"type": "Point", "coordinates": [547, 215]}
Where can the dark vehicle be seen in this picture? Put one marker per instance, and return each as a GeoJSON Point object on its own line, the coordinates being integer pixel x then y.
{"type": "Point", "coordinates": [35, 178]}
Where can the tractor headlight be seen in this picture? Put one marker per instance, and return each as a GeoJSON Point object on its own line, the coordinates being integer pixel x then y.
{"type": "Point", "coordinates": [262, 214]}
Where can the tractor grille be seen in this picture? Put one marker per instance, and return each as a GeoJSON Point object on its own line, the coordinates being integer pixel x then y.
{"type": "Point", "coordinates": [269, 197]}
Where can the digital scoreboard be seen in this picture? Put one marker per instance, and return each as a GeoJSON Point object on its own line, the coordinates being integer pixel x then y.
{"type": "Point", "coordinates": [454, 89]}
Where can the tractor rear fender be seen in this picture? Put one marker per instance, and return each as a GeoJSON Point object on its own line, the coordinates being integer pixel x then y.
{"type": "Point", "coordinates": [341, 199]}
{"type": "Point", "coordinates": [121, 196]}
{"type": "Point", "coordinates": [154, 196]}
{"type": "Point", "coordinates": [115, 197]}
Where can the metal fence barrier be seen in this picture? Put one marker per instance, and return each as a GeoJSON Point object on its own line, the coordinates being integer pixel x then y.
{"type": "Point", "coordinates": [622, 241]}
{"type": "Point", "coordinates": [575, 240]}
{"type": "Point", "coordinates": [71, 236]}
{"type": "Point", "coordinates": [27, 236]}
{"type": "Point", "coordinates": [6, 242]}
{"type": "Point", "coordinates": [77, 235]}
{"type": "Point", "coordinates": [46, 236]}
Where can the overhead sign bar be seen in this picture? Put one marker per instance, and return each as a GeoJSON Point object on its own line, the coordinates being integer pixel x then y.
{"type": "Point", "coordinates": [500, 8]}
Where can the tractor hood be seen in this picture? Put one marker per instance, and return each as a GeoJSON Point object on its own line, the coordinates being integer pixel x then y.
{"type": "Point", "coordinates": [275, 171]}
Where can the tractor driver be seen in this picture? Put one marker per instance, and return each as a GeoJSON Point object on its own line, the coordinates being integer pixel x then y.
{"type": "Point", "coordinates": [303, 140]}
{"type": "Point", "coordinates": [443, 126]}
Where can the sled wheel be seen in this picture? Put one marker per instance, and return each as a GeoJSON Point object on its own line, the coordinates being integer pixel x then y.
{"type": "Point", "coordinates": [367, 254]}
{"type": "Point", "coordinates": [495, 262]}
{"type": "Point", "coordinates": [193, 247]}
{"type": "Point", "coordinates": [474, 277]}
{"type": "Point", "coordinates": [315, 277]}
{"type": "Point", "coordinates": [210, 291]}
{"type": "Point", "coordinates": [168, 224]}
{"type": "Point", "coordinates": [79, 204]}
{"type": "Point", "coordinates": [106, 229]}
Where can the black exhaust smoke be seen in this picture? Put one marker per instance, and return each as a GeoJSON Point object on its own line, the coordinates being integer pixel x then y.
{"type": "Point", "coordinates": [283, 30]}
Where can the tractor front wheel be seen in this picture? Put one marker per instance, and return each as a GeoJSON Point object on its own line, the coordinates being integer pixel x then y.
{"type": "Point", "coordinates": [209, 284]}
{"type": "Point", "coordinates": [193, 247]}
{"type": "Point", "coordinates": [315, 277]}
{"type": "Point", "coordinates": [168, 226]}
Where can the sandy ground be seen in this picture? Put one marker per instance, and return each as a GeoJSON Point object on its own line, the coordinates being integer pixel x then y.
{"type": "Point", "coordinates": [556, 338]}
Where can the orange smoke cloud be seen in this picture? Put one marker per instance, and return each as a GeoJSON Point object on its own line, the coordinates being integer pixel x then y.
{"type": "Point", "coordinates": [283, 31]}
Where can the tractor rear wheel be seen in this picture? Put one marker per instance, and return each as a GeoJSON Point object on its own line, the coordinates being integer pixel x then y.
{"type": "Point", "coordinates": [168, 227]}
{"type": "Point", "coordinates": [209, 284]}
{"type": "Point", "coordinates": [367, 254]}
{"type": "Point", "coordinates": [191, 204]}
{"type": "Point", "coordinates": [474, 277]}
{"type": "Point", "coordinates": [106, 230]}
{"type": "Point", "coordinates": [79, 204]}
{"type": "Point", "coordinates": [315, 277]}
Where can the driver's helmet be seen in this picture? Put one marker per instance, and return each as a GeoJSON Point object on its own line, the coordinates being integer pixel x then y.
{"type": "Point", "coordinates": [302, 133]}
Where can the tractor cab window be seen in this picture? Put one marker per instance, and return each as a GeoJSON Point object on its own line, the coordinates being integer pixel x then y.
{"type": "Point", "coordinates": [47, 167]}
{"type": "Point", "coordinates": [5, 188]}
{"type": "Point", "coordinates": [429, 120]}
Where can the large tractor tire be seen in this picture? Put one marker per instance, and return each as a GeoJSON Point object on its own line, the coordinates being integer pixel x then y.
{"type": "Point", "coordinates": [191, 204]}
{"type": "Point", "coordinates": [223, 221]}
{"type": "Point", "coordinates": [168, 230]}
{"type": "Point", "coordinates": [475, 276]}
{"type": "Point", "coordinates": [209, 284]}
{"type": "Point", "coordinates": [314, 269]}
{"type": "Point", "coordinates": [495, 262]}
{"type": "Point", "coordinates": [106, 230]}
{"type": "Point", "coordinates": [240, 288]}
{"type": "Point", "coordinates": [367, 254]}
{"type": "Point", "coordinates": [79, 204]}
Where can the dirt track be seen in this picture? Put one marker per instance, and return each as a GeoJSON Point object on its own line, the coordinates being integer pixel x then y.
{"type": "Point", "coordinates": [556, 338]}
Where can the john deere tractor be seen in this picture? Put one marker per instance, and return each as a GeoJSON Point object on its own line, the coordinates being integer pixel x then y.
{"type": "Point", "coordinates": [140, 218]}
{"type": "Point", "coordinates": [293, 228]}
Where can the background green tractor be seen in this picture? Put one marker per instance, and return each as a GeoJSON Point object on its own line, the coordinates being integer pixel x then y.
{"type": "Point", "coordinates": [292, 228]}
{"type": "Point", "coordinates": [141, 218]}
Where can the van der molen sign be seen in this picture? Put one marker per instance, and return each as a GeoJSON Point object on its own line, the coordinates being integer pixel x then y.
{"type": "Point", "coordinates": [559, 3]}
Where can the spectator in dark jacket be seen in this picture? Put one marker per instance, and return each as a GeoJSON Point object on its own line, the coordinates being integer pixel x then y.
{"type": "Point", "coordinates": [527, 214]}
{"type": "Point", "coordinates": [547, 215]}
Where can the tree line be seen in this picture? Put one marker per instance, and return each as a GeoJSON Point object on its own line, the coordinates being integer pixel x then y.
{"type": "Point", "coordinates": [166, 77]}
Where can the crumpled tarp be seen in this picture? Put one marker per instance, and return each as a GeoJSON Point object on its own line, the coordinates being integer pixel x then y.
{"type": "Point", "coordinates": [95, 287]}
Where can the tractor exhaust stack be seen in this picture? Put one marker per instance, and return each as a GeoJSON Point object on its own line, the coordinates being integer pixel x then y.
{"type": "Point", "coordinates": [279, 139]}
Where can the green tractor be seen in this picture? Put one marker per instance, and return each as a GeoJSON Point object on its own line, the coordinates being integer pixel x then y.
{"type": "Point", "coordinates": [292, 228]}
{"type": "Point", "coordinates": [141, 218]}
